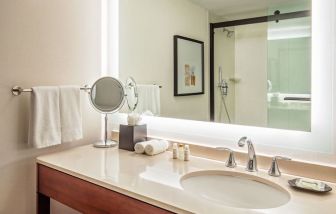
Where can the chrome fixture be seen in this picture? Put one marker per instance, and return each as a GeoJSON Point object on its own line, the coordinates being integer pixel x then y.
{"type": "Point", "coordinates": [222, 83]}
{"type": "Point", "coordinates": [107, 96]}
{"type": "Point", "coordinates": [252, 158]}
{"type": "Point", "coordinates": [230, 162]}
{"type": "Point", "coordinates": [229, 33]}
{"type": "Point", "coordinates": [224, 88]}
{"type": "Point", "coordinates": [17, 90]}
{"type": "Point", "coordinates": [274, 170]}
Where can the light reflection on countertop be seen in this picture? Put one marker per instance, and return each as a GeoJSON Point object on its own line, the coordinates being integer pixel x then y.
{"type": "Point", "coordinates": [156, 180]}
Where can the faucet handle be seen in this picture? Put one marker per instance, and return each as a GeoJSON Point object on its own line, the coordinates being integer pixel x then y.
{"type": "Point", "coordinates": [230, 162]}
{"type": "Point", "coordinates": [274, 170]}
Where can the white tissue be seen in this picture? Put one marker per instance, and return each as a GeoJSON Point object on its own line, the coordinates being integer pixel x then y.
{"type": "Point", "coordinates": [156, 147]}
{"type": "Point", "coordinates": [133, 119]}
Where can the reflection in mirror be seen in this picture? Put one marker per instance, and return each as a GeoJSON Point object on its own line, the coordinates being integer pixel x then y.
{"type": "Point", "coordinates": [289, 73]}
{"type": "Point", "coordinates": [257, 58]}
{"type": "Point", "coordinates": [131, 92]}
{"type": "Point", "coordinates": [107, 96]}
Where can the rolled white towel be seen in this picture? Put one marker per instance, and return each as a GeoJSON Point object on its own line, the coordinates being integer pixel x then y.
{"type": "Point", "coordinates": [139, 148]}
{"type": "Point", "coordinates": [156, 147]}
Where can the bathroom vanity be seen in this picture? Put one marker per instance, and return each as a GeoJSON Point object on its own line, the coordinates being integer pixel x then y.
{"type": "Point", "coordinates": [118, 181]}
{"type": "Point", "coordinates": [84, 196]}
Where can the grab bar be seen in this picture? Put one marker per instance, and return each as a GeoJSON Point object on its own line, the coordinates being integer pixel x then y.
{"type": "Point", "coordinates": [303, 99]}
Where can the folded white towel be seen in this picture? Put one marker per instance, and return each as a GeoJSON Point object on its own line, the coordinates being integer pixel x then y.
{"type": "Point", "coordinates": [71, 113]}
{"type": "Point", "coordinates": [139, 148]}
{"type": "Point", "coordinates": [156, 147]}
{"type": "Point", "coordinates": [44, 122]}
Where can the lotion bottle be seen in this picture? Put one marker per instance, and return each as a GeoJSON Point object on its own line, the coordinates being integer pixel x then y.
{"type": "Point", "coordinates": [186, 153]}
{"type": "Point", "coordinates": [181, 152]}
{"type": "Point", "coordinates": [175, 151]}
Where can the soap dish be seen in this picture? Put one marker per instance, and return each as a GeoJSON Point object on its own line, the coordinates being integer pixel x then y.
{"type": "Point", "coordinates": [320, 187]}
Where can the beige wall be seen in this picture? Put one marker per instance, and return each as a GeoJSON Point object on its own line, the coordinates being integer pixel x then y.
{"type": "Point", "coordinates": [147, 28]}
{"type": "Point", "coordinates": [251, 69]}
{"type": "Point", "coordinates": [42, 42]}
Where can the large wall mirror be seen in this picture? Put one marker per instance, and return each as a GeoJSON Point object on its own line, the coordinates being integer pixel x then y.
{"type": "Point", "coordinates": [257, 59]}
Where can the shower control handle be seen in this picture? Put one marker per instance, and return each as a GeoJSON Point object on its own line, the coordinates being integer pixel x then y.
{"type": "Point", "coordinates": [224, 87]}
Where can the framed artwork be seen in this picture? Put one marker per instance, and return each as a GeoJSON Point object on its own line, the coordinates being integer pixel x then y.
{"type": "Point", "coordinates": [188, 66]}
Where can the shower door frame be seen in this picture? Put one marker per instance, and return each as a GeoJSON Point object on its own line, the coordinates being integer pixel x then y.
{"type": "Point", "coordinates": [255, 20]}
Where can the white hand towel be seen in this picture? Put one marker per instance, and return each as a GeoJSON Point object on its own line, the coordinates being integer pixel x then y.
{"type": "Point", "coordinates": [71, 113]}
{"type": "Point", "coordinates": [156, 147]}
{"type": "Point", "coordinates": [44, 122]}
{"type": "Point", "coordinates": [149, 100]}
{"type": "Point", "coordinates": [139, 148]}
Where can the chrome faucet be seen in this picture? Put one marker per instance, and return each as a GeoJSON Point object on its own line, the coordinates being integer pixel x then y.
{"type": "Point", "coordinates": [274, 170]}
{"type": "Point", "coordinates": [231, 162]}
{"type": "Point", "coordinates": [252, 158]}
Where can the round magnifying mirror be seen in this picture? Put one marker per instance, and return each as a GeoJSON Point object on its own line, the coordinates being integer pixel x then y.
{"type": "Point", "coordinates": [131, 94]}
{"type": "Point", "coordinates": [107, 96]}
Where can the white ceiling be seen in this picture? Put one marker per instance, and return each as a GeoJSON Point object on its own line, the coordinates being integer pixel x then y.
{"type": "Point", "coordinates": [225, 7]}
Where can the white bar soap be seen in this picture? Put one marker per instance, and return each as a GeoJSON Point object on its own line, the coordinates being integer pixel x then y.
{"type": "Point", "coordinates": [310, 184]}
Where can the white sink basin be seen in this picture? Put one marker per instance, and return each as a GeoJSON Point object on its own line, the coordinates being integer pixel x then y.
{"type": "Point", "coordinates": [235, 189]}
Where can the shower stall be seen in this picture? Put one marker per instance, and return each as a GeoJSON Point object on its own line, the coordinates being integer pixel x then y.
{"type": "Point", "coordinates": [260, 69]}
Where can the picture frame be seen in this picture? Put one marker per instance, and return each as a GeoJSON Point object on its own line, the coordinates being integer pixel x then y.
{"type": "Point", "coordinates": [188, 66]}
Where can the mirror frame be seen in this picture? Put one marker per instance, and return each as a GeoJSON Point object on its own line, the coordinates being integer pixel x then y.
{"type": "Point", "coordinates": [129, 85]}
{"type": "Point", "coordinates": [123, 95]}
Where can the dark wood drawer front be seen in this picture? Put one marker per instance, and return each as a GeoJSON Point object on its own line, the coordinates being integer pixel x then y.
{"type": "Point", "coordinates": [87, 197]}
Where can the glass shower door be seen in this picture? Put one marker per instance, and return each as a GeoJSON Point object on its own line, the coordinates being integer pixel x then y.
{"type": "Point", "coordinates": [289, 74]}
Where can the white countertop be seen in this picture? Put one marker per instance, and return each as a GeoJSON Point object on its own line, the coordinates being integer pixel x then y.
{"type": "Point", "coordinates": [156, 180]}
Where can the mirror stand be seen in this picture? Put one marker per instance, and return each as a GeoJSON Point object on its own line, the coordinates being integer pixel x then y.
{"type": "Point", "coordinates": [105, 143]}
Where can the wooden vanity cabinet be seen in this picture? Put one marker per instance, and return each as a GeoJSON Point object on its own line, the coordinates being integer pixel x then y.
{"type": "Point", "coordinates": [84, 196]}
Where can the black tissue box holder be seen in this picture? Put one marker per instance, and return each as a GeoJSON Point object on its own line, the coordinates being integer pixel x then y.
{"type": "Point", "coordinates": [130, 135]}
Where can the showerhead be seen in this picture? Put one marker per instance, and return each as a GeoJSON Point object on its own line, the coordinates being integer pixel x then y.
{"type": "Point", "coordinates": [230, 33]}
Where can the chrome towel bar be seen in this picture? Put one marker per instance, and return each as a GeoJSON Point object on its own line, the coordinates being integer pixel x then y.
{"type": "Point", "coordinates": [17, 90]}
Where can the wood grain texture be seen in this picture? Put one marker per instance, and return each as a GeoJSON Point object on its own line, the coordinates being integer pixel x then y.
{"type": "Point", "coordinates": [88, 198]}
